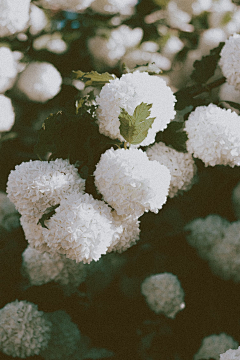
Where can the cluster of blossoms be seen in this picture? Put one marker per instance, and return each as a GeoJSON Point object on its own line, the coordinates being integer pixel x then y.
{"type": "Point", "coordinates": [221, 129]}
{"type": "Point", "coordinates": [212, 346]}
{"type": "Point", "coordinates": [164, 294]}
{"type": "Point", "coordinates": [231, 355]}
{"type": "Point", "coordinates": [217, 241]}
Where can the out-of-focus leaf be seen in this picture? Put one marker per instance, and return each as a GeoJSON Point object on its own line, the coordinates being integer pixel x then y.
{"type": "Point", "coordinates": [93, 78]}
{"type": "Point", "coordinates": [173, 135]}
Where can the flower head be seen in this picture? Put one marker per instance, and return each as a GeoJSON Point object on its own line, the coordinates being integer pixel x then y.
{"type": "Point", "coordinates": [14, 16]}
{"type": "Point", "coordinates": [130, 182]}
{"type": "Point", "coordinates": [128, 92]}
{"type": "Point", "coordinates": [181, 166]}
{"type": "Point", "coordinates": [7, 117]}
{"type": "Point", "coordinates": [214, 135]}
{"type": "Point", "coordinates": [164, 294]}
{"type": "Point", "coordinates": [40, 81]}
{"type": "Point", "coordinates": [231, 355]}
{"type": "Point", "coordinates": [24, 331]}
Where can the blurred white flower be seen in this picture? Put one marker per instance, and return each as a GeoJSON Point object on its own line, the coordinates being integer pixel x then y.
{"type": "Point", "coordinates": [230, 61]}
{"type": "Point", "coordinates": [24, 331]}
{"type": "Point", "coordinates": [212, 346]}
{"type": "Point", "coordinates": [8, 69]}
{"type": "Point", "coordinates": [128, 92]}
{"type": "Point", "coordinates": [38, 20]}
{"type": "Point", "coordinates": [40, 81]}
{"type": "Point", "coordinates": [7, 117]}
{"type": "Point", "coordinates": [51, 42]}
{"type": "Point", "coordinates": [164, 294]}
{"type": "Point", "coordinates": [214, 135]}
{"type": "Point", "coordinates": [108, 49]}
{"type": "Point", "coordinates": [14, 16]}
{"type": "Point", "coordinates": [181, 166]}
{"type": "Point", "coordinates": [124, 7]}
{"type": "Point", "coordinates": [209, 39]}
{"type": "Point", "coordinates": [70, 5]}
{"type": "Point", "coordinates": [130, 182]}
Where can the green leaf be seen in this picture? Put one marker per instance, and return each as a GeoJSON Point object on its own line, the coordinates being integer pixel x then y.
{"type": "Point", "coordinates": [93, 78]}
{"type": "Point", "coordinates": [204, 69]}
{"type": "Point", "coordinates": [135, 128]}
{"type": "Point", "coordinates": [232, 104]}
{"type": "Point", "coordinates": [48, 213]}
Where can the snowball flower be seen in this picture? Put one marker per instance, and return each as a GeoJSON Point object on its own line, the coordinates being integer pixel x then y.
{"type": "Point", "coordinates": [213, 345]}
{"type": "Point", "coordinates": [214, 135]}
{"type": "Point", "coordinates": [7, 115]}
{"type": "Point", "coordinates": [224, 255]}
{"type": "Point", "coordinates": [205, 233]}
{"type": "Point", "coordinates": [8, 69]}
{"type": "Point", "coordinates": [236, 200]}
{"type": "Point", "coordinates": [37, 185]}
{"type": "Point", "coordinates": [24, 331]}
{"type": "Point", "coordinates": [108, 51]}
{"type": "Point", "coordinates": [51, 42]}
{"type": "Point", "coordinates": [128, 92]}
{"type": "Point", "coordinates": [9, 218]}
{"type": "Point", "coordinates": [164, 294]}
{"type": "Point", "coordinates": [130, 182]}
{"type": "Point", "coordinates": [135, 57]}
{"type": "Point", "coordinates": [229, 60]}
{"type": "Point", "coordinates": [41, 268]}
{"type": "Point", "coordinates": [14, 16]}
{"type": "Point", "coordinates": [231, 355]}
{"type": "Point", "coordinates": [70, 5]}
{"type": "Point", "coordinates": [40, 81]}
{"type": "Point", "coordinates": [82, 228]}
{"type": "Point", "coordinates": [130, 234]}
{"type": "Point", "coordinates": [124, 7]}
{"type": "Point", "coordinates": [181, 166]}
{"type": "Point", "coordinates": [210, 39]}
{"type": "Point", "coordinates": [38, 20]}
{"type": "Point", "coordinates": [65, 337]}
{"type": "Point", "coordinates": [228, 92]}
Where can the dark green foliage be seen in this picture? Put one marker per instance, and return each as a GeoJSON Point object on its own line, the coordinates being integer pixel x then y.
{"type": "Point", "coordinates": [204, 69]}
{"type": "Point", "coordinates": [48, 213]}
{"type": "Point", "coordinates": [93, 78]}
{"type": "Point", "coordinates": [135, 128]}
{"type": "Point", "coordinates": [174, 135]}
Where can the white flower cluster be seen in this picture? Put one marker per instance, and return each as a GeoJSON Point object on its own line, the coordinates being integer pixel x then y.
{"type": "Point", "coordinates": [205, 233]}
{"type": "Point", "coordinates": [210, 39]}
{"type": "Point", "coordinates": [36, 185]}
{"type": "Point", "coordinates": [218, 242]}
{"type": "Point", "coordinates": [128, 92]}
{"type": "Point", "coordinates": [212, 346]}
{"type": "Point", "coordinates": [37, 20]}
{"type": "Point", "coordinates": [231, 355]}
{"type": "Point", "coordinates": [9, 218]}
{"type": "Point", "coordinates": [229, 60]}
{"type": "Point", "coordinates": [181, 166]}
{"type": "Point", "coordinates": [108, 51]}
{"type": "Point", "coordinates": [65, 337]}
{"type": "Point", "coordinates": [82, 228]}
{"type": "Point", "coordinates": [70, 5]}
{"type": "Point", "coordinates": [14, 16]}
{"type": "Point", "coordinates": [214, 135]}
{"type": "Point", "coordinates": [124, 7]}
{"type": "Point", "coordinates": [51, 42]}
{"type": "Point", "coordinates": [40, 81]}
{"type": "Point", "coordinates": [7, 116]}
{"type": "Point", "coordinates": [24, 331]}
{"type": "Point", "coordinates": [130, 182]}
{"type": "Point", "coordinates": [8, 69]}
{"type": "Point", "coordinates": [164, 294]}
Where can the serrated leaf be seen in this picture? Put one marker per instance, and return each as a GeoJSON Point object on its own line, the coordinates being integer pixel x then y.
{"type": "Point", "coordinates": [204, 69]}
{"type": "Point", "coordinates": [48, 213]}
{"type": "Point", "coordinates": [135, 128]}
{"type": "Point", "coordinates": [93, 78]}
